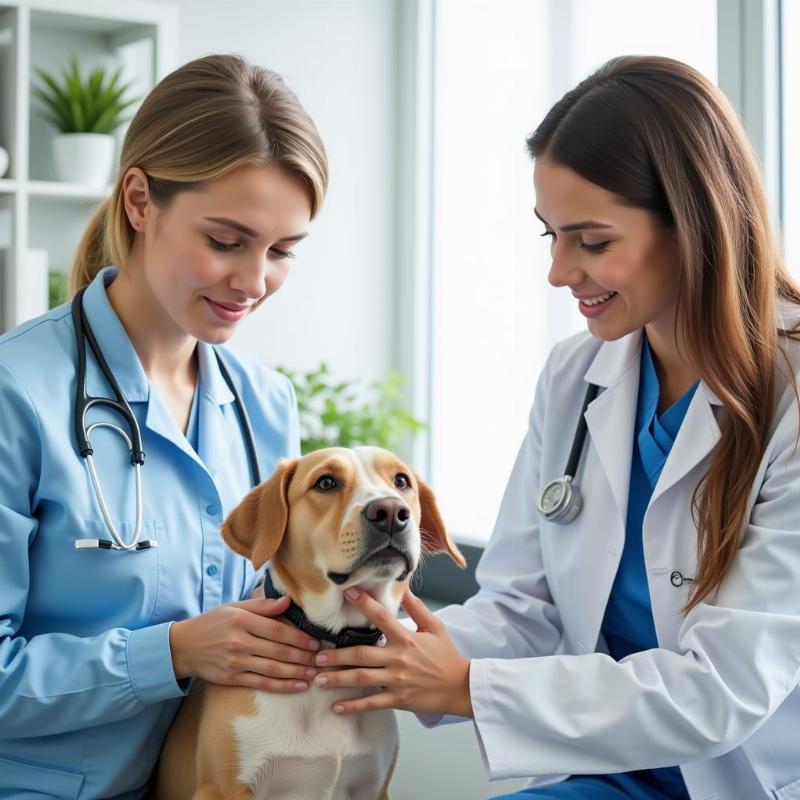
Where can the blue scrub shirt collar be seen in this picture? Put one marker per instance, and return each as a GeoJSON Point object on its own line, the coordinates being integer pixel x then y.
{"type": "Point", "coordinates": [614, 359]}
{"type": "Point", "coordinates": [122, 357]}
{"type": "Point", "coordinates": [210, 379]}
{"type": "Point", "coordinates": [113, 340]}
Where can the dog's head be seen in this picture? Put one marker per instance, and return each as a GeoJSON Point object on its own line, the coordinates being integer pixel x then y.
{"type": "Point", "coordinates": [337, 518]}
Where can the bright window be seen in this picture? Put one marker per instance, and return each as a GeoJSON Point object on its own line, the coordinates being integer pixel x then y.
{"type": "Point", "coordinates": [498, 67]}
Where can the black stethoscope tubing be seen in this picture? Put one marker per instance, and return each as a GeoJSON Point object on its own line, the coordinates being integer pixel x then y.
{"type": "Point", "coordinates": [83, 402]}
{"type": "Point", "coordinates": [569, 502]}
{"type": "Point", "coordinates": [580, 434]}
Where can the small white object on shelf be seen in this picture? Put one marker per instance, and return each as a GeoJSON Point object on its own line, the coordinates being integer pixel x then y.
{"type": "Point", "coordinates": [3, 161]}
{"type": "Point", "coordinates": [33, 284]}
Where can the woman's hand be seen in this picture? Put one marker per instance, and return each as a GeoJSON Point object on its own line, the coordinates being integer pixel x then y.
{"type": "Point", "coordinates": [239, 645]}
{"type": "Point", "coordinates": [418, 670]}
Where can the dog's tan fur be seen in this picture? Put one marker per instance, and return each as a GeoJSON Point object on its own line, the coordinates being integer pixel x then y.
{"type": "Point", "coordinates": [305, 534]}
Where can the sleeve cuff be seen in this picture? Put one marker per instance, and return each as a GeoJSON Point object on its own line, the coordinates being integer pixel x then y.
{"type": "Point", "coordinates": [430, 719]}
{"type": "Point", "coordinates": [487, 725]}
{"type": "Point", "coordinates": [150, 665]}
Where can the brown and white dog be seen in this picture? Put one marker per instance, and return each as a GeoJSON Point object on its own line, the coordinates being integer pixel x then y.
{"type": "Point", "coordinates": [330, 520]}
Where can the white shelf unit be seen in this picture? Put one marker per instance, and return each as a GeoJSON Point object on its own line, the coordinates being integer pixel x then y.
{"type": "Point", "coordinates": [37, 211]}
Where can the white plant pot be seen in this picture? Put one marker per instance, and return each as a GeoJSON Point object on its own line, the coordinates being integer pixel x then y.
{"type": "Point", "coordinates": [84, 158]}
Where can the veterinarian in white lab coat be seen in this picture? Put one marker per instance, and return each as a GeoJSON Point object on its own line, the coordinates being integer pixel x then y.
{"type": "Point", "coordinates": [676, 589]}
{"type": "Point", "coordinates": [221, 171]}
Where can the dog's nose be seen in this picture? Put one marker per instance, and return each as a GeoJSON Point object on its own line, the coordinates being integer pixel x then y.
{"type": "Point", "coordinates": [388, 514]}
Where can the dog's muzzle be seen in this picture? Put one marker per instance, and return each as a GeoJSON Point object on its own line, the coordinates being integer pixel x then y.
{"type": "Point", "coordinates": [380, 548]}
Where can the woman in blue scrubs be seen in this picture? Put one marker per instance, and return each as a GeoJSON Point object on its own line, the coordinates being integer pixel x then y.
{"type": "Point", "coordinates": [221, 172]}
{"type": "Point", "coordinates": [675, 593]}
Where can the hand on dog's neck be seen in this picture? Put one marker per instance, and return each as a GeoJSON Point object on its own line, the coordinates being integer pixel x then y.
{"type": "Point", "coordinates": [332, 629]}
{"type": "Point", "coordinates": [324, 602]}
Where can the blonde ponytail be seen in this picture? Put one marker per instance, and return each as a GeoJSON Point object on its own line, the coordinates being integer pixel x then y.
{"type": "Point", "coordinates": [90, 257]}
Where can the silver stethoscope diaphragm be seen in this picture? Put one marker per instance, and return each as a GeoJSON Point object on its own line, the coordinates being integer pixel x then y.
{"type": "Point", "coordinates": [560, 501]}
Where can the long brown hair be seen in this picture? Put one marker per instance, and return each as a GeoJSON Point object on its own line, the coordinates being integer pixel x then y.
{"type": "Point", "coordinates": [661, 136]}
{"type": "Point", "coordinates": [200, 122]}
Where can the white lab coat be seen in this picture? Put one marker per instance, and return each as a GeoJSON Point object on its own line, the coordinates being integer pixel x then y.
{"type": "Point", "coordinates": [719, 695]}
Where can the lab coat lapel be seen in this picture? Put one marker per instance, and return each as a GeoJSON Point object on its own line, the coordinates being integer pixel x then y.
{"type": "Point", "coordinates": [612, 416]}
{"type": "Point", "coordinates": [696, 438]}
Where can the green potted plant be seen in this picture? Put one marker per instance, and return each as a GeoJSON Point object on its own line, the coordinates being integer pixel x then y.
{"type": "Point", "coordinates": [347, 413]}
{"type": "Point", "coordinates": [86, 112]}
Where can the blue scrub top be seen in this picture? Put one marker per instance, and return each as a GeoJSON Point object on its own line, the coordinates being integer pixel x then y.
{"type": "Point", "coordinates": [87, 689]}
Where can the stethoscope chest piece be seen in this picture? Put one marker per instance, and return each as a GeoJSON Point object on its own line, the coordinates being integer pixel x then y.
{"type": "Point", "coordinates": [560, 501]}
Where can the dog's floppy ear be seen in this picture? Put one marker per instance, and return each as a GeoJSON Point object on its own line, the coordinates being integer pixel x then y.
{"type": "Point", "coordinates": [431, 527]}
{"type": "Point", "coordinates": [255, 528]}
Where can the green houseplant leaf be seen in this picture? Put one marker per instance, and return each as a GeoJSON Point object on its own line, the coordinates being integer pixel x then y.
{"type": "Point", "coordinates": [73, 104]}
{"type": "Point", "coordinates": [347, 414]}
{"type": "Point", "coordinates": [57, 287]}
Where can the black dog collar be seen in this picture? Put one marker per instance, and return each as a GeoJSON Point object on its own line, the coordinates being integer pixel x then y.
{"type": "Point", "coordinates": [346, 637]}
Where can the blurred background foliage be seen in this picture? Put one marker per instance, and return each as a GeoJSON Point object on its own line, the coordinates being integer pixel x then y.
{"type": "Point", "coordinates": [348, 413]}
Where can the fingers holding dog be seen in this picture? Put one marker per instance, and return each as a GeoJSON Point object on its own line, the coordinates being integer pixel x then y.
{"type": "Point", "coordinates": [261, 624]}
{"type": "Point", "coordinates": [233, 646]}
{"type": "Point", "coordinates": [257, 681]}
{"type": "Point", "coordinates": [416, 671]}
{"type": "Point", "coordinates": [377, 614]}
{"type": "Point", "coordinates": [422, 616]}
{"type": "Point", "coordinates": [261, 647]}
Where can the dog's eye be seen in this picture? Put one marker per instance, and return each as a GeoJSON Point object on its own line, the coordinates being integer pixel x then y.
{"type": "Point", "coordinates": [326, 483]}
{"type": "Point", "coordinates": [401, 481]}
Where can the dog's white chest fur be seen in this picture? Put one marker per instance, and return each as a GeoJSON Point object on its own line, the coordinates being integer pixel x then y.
{"type": "Point", "coordinates": [295, 747]}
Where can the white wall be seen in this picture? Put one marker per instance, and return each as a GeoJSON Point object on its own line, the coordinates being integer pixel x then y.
{"type": "Point", "coordinates": [339, 57]}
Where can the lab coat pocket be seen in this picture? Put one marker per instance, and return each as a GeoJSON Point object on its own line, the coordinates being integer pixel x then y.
{"type": "Point", "coordinates": [115, 588]}
{"type": "Point", "coordinates": [789, 792]}
{"type": "Point", "coordinates": [26, 780]}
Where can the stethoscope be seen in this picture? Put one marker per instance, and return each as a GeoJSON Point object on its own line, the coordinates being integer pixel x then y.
{"type": "Point", "coordinates": [560, 501]}
{"type": "Point", "coordinates": [83, 402]}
